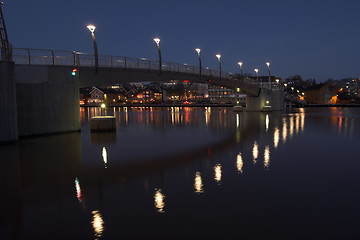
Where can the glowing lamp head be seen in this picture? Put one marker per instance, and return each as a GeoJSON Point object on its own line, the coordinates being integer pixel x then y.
{"type": "Point", "coordinates": [268, 64]}
{"type": "Point", "coordinates": [91, 28]}
{"type": "Point", "coordinates": [198, 50]}
{"type": "Point", "coordinates": [157, 41]}
{"type": "Point", "coordinates": [240, 64]}
{"type": "Point", "coordinates": [103, 105]}
{"type": "Point", "coordinates": [256, 70]}
{"type": "Point", "coordinates": [218, 56]}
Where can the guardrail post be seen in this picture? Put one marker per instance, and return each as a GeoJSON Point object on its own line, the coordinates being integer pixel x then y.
{"type": "Point", "coordinates": [53, 58]}
{"type": "Point", "coordinates": [74, 58]}
{"type": "Point", "coordinates": [29, 57]}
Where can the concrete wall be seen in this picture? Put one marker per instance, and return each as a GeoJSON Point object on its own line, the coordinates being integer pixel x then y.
{"type": "Point", "coordinates": [8, 117]}
{"type": "Point", "coordinates": [47, 100]}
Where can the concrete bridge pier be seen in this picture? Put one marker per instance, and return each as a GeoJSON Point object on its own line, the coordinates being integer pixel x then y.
{"type": "Point", "coordinates": [264, 99]}
{"type": "Point", "coordinates": [8, 113]}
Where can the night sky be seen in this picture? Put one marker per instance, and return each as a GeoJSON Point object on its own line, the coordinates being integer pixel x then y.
{"type": "Point", "coordinates": [313, 38]}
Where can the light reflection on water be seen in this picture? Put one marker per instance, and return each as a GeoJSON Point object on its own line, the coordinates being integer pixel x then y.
{"type": "Point", "coordinates": [217, 173]}
{"type": "Point", "coordinates": [239, 163]}
{"type": "Point", "coordinates": [307, 175]}
{"type": "Point", "coordinates": [255, 152]}
{"type": "Point", "coordinates": [159, 201]}
{"type": "Point", "coordinates": [198, 184]}
{"type": "Point", "coordinates": [97, 223]}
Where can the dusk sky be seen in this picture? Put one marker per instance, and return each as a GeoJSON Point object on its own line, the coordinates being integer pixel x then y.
{"type": "Point", "coordinates": [313, 38]}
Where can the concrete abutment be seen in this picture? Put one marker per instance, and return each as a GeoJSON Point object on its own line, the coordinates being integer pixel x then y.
{"type": "Point", "coordinates": [266, 98]}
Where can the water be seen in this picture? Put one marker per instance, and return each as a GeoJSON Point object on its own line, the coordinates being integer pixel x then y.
{"type": "Point", "coordinates": [188, 173]}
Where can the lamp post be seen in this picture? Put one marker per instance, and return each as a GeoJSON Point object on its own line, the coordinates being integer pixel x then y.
{"type": "Point", "coordinates": [257, 75]}
{"type": "Point", "coordinates": [241, 71]}
{"type": "Point", "coordinates": [92, 30]}
{"type": "Point", "coordinates": [198, 50]}
{"type": "Point", "coordinates": [157, 41]}
{"type": "Point", "coordinates": [218, 57]}
{"type": "Point", "coordinates": [268, 67]}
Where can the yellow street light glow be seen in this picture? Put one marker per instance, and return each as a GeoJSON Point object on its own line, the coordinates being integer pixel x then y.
{"type": "Point", "coordinates": [91, 28]}
{"type": "Point", "coordinates": [157, 41]}
{"type": "Point", "coordinates": [218, 56]}
{"type": "Point", "coordinates": [103, 105]}
{"type": "Point", "coordinates": [198, 50]}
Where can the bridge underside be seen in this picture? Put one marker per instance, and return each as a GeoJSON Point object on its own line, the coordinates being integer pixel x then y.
{"type": "Point", "coordinates": [107, 76]}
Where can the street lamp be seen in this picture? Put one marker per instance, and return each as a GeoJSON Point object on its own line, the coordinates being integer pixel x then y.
{"type": "Point", "coordinates": [268, 67]}
{"type": "Point", "coordinates": [218, 57]}
{"type": "Point", "coordinates": [92, 30]}
{"type": "Point", "coordinates": [241, 70]}
{"type": "Point", "coordinates": [157, 41]}
{"type": "Point", "coordinates": [257, 75]}
{"type": "Point", "coordinates": [198, 50]}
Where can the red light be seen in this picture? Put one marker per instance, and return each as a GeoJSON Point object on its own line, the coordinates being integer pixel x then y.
{"type": "Point", "coordinates": [74, 70]}
{"type": "Point", "coordinates": [186, 81]}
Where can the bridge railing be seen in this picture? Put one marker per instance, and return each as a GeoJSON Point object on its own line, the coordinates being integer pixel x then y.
{"type": "Point", "coordinates": [28, 56]}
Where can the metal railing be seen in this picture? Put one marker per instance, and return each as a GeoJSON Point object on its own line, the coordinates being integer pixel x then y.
{"type": "Point", "coordinates": [28, 56]}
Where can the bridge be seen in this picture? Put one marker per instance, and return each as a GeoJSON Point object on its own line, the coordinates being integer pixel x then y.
{"type": "Point", "coordinates": [120, 69]}
{"type": "Point", "coordinates": [41, 96]}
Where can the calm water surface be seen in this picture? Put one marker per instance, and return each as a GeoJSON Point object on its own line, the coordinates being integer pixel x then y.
{"type": "Point", "coordinates": [188, 173]}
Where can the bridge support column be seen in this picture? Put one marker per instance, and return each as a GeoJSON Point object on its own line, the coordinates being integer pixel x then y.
{"type": "Point", "coordinates": [8, 114]}
{"type": "Point", "coordinates": [265, 97]}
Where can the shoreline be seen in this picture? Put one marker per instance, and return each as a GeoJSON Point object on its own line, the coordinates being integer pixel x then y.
{"type": "Point", "coordinates": [218, 105]}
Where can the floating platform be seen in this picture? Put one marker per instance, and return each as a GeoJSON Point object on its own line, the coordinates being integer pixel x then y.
{"type": "Point", "coordinates": [266, 109]}
{"type": "Point", "coordinates": [238, 108]}
{"type": "Point", "coordinates": [103, 123]}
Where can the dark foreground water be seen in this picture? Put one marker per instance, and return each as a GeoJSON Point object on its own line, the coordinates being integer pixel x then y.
{"type": "Point", "coordinates": [188, 173]}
